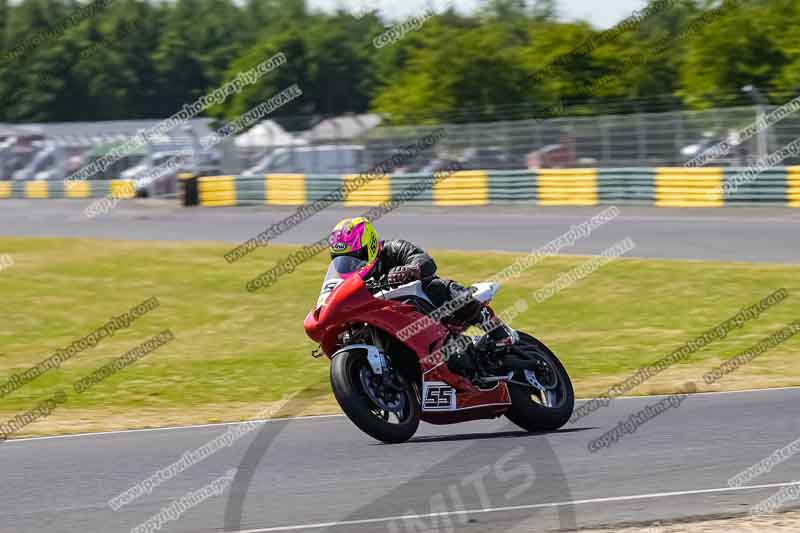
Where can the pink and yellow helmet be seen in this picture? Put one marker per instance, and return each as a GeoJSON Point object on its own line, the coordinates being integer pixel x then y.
{"type": "Point", "coordinates": [355, 237]}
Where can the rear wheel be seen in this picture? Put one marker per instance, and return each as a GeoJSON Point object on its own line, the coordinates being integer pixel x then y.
{"type": "Point", "coordinates": [384, 406]}
{"type": "Point", "coordinates": [542, 397]}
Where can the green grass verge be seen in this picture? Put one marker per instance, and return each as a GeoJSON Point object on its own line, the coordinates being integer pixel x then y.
{"type": "Point", "coordinates": [235, 351]}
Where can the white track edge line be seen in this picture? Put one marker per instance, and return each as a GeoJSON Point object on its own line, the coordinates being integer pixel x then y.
{"type": "Point", "coordinates": [518, 507]}
{"type": "Point", "coordinates": [170, 428]}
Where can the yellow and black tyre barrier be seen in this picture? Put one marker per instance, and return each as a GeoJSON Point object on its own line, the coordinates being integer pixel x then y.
{"type": "Point", "coordinates": [470, 187]}
{"type": "Point", "coordinates": [77, 189]}
{"type": "Point", "coordinates": [664, 187]}
{"type": "Point", "coordinates": [217, 191]}
{"type": "Point", "coordinates": [568, 186]}
{"type": "Point", "coordinates": [793, 186]}
{"type": "Point", "coordinates": [36, 189]}
{"type": "Point", "coordinates": [122, 189]}
{"type": "Point", "coordinates": [62, 189]}
{"type": "Point", "coordinates": [689, 187]}
{"type": "Point", "coordinates": [360, 191]}
{"type": "Point", "coordinates": [285, 189]}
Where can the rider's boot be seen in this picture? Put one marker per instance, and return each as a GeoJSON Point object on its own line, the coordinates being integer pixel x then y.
{"type": "Point", "coordinates": [472, 357]}
{"type": "Point", "coordinates": [476, 357]}
{"type": "Point", "coordinates": [501, 333]}
{"type": "Point", "coordinates": [461, 356]}
{"type": "Point", "coordinates": [494, 345]}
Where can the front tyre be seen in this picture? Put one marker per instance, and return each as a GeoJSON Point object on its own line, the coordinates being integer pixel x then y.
{"type": "Point", "coordinates": [542, 398]}
{"type": "Point", "coordinates": [385, 406]}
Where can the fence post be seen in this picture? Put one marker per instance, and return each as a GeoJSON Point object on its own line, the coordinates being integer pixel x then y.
{"type": "Point", "coordinates": [680, 140]}
{"type": "Point", "coordinates": [641, 138]}
{"type": "Point", "coordinates": [605, 140]}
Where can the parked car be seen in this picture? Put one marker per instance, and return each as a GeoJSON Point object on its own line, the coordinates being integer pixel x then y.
{"type": "Point", "coordinates": [16, 153]}
{"type": "Point", "coordinates": [438, 165]}
{"type": "Point", "coordinates": [322, 159]}
{"type": "Point", "coordinates": [560, 155]}
{"type": "Point", "coordinates": [487, 158]}
{"type": "Point", "coordinates": [153, 180]}
{"type": "Point", "coordinates": [49, 163]}
{"type": "Point", "coordinates": [735, 155]}
{"type": "Point", "coordinates": [114, 171]}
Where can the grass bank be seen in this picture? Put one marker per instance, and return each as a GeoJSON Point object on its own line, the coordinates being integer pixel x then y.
{"type": "Point", "coordinates": [235, 352]}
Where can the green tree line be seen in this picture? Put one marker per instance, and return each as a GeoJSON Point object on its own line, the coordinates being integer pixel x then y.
{"type": "Point", "coordinates": [64, 60]}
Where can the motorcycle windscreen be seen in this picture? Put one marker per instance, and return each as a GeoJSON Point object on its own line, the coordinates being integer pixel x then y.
{"type": "Point", "coordinates": [340, 269]}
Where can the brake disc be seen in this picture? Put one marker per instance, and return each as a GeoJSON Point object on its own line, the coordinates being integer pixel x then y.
{"type": "Point", "coordinates": [545, 379]}
{"type": "Point", "coordinates": [377, 392]}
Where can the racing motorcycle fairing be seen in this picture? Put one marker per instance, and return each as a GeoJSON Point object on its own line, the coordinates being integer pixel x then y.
{"type": "Point", "coordinates": [345, 301]}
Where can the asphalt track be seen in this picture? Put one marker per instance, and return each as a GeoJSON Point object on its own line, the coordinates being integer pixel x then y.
{"type": "Point", "coordinates": [724, 234]}
{"type": "Point", "coordinates": [483, 476]}
{"type": "Point", "coordinates": [322, 474]}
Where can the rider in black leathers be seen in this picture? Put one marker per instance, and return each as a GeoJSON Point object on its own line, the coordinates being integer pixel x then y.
{"type": "Point", "coordinates": [399, 261]}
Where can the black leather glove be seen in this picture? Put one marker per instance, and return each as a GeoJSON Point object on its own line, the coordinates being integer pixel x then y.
{"type": "Point", "coordinates": [404, 274]}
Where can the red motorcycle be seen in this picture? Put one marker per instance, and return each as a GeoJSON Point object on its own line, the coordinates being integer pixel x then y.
{"type": "Point", "coordinates": [386, 385]}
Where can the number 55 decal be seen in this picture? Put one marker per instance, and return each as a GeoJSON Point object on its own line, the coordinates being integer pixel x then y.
{"type": "Point", "coordinates": [438, 396]}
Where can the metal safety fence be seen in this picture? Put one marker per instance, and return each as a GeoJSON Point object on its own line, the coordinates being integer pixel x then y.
{"type": "Point", "coordinates": [561, 140]}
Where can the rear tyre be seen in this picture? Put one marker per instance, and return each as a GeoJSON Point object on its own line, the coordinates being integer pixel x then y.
{"type": "Point", "coordinates": [534, 409]}
{"type": "Point", "coordinates": [387, 410]}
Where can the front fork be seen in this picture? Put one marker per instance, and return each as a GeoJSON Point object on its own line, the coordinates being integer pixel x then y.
{"type": "Point", "coordinates": [375, 357]}
{"type": "Point", "coordinates": [395, 378]}
{"type": "Point", "coordinates": [379, 364]}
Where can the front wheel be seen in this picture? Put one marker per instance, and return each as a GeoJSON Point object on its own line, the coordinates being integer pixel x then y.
{"type": "Point", "coordinates": [542, 398]}
{"type": "Point", "coordinates": [384, 406]}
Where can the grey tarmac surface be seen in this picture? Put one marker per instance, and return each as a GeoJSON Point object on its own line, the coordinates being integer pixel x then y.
{"type": "Point", "coordinates": [322, 470]}
{"type": "Point", "coordinates": [724, 234]}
